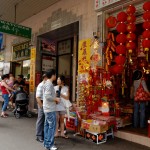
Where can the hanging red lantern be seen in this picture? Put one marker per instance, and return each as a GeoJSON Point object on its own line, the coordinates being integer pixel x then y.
{"type": "Point", "coordinates": [121, 38]}
{"type": "Point", "coordinates": [146, 43]}
{"type": "Point", "coordinates": [120, 60]}
{"type": "Point", "coordinates": [122, 17]}
{"type": "Point", "coordinates": [117, 69]}
{"type": "Point", "coordinates": [146, 6]}
{"type": "Point", "coordinates": [146, 25]}
{"type": "Point", "coordinates": [131, 36]}
{"type": "Point", "coordinates": [131, 18]}
{"type": "Point", "coordinates": [111, 22]}
{"type": "Point", "coordinates": [146, 34]}
{"type": "Point", "coordinates": [130, 45]}
{"type": "Point", "coordinates": [121, 27]}
{"type": "Point", "coordinates": [146, 15]}
{"type": "Point", "coordinates": [131, 9]}
{"type": "Point", "coordinates": [131, 27]}
{"type": "Point", "coordinates": [121, 49]}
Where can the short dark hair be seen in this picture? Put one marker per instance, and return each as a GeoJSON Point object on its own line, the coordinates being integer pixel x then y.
{"type": "Point", "coordinates": [21, 76]}
{"type": "Point", "coordinates": [50, 73]}
{"type": "Point", "coordinates": [4, 76]}
{"type": "Point", "coordinates": [62, 78]}
{"type": "Point", "coordinates": [44, 75]}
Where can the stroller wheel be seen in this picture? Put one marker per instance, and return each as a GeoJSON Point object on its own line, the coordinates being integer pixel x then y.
{"type": "Point", "coordinates": [29, 114]}
{"type": "Point", "coordinates": [17, 115]}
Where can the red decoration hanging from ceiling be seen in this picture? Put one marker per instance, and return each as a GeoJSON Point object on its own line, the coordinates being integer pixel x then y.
{"type": "Point", "coordinates": [111, 22]}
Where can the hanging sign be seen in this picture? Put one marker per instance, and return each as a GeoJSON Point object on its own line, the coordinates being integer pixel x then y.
{"type": "Point", "coordinates": [99, 4]}
{"type": "Point", "coordinates": [15, 29]}
{"type": "Point", "coordinates": [21, 51]}
{"type": "Point", "coordinates": [84, 56]}
{"type": "Point", "coordinates": [32, 69]}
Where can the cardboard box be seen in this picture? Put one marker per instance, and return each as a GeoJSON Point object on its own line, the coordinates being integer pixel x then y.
{"type": "Point", "coordinates": [98, 128]}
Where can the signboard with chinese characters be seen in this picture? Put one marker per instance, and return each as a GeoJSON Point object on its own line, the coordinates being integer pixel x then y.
{"type": "Point", "coordinates": [48, 46]}
{"type": "Point", "coordinates": [84, 56]}
{"type": "Point", "coordinates": [32, 69]}
{"type": "Point", "coordinates": [99, 4]}
{"type": "Point", "coordinates": [48, 63]}
{"type": "Point", "coordinates": [64, 47]}
{"type": "Point", "coordinates": [15, 29]}
{"type": "Point", "coordinates": [21, 51]}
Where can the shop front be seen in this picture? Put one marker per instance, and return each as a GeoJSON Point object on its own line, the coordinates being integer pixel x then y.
{"type": "Point", "coordinates": [107, 70]}
{"type": "Point", "coordinates": [20, 64]}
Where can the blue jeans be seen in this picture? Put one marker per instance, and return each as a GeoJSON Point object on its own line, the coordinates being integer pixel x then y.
{"type": "Point", "coordinates": [139, 114]}
{"type": "Point", "coordinates": [6, 101]}
{"type": "Point", "coordinates": [49, 129]}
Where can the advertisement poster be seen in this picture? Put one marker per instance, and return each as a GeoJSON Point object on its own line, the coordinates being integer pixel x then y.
{"type": "Point", "coordinates": [47, 63]}
{"type": "Point", "coordinates": [6, 68]}
{"type": "Point", "coordinates": [32, 69]}
{"type": "Point", "coordinates": [84, 56]}
{"type": "Point", "coordinates": [49, 46]}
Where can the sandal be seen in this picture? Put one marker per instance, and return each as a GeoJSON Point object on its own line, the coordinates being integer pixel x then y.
{"type": "Point", "coordinates": [65, 137]}
{"type": "Point", "coordinates": [3, 116]}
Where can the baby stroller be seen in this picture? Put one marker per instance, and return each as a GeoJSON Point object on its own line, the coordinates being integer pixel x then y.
{"type": "Point", "coordinates": [21, 104]}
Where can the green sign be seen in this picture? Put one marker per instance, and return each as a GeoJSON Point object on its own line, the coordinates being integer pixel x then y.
{"type": "Point", "coordinates": [15, 29]}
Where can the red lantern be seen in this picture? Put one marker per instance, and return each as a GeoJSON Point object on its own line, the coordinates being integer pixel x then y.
{"type": "Point", "coordinates": [146, 6]}
{"type": "Point", "coordinates": [146, 43]}
{"type": "Point", "coordinates": [146, 25]}
{"type": "Point", "coordinates": [131, 18]}
{"type": "Point", "coordinates": [120, 60]}
{"type": "Point", "coordinates": [146, 34]}
{"type": "Point", "coordinates": [131, 27]}
{"type": "Point", "coordinates": [121, 49]}
{"type": "Point", "coordinates": [131, 36]}
{"type": "Point", "coordinates": [130, 45]}
{"type": "Point", "coordinates": [121, 27]}
{"type": "Point", "coordinates": [146, 15]}
{"type": "Point", "coordinates": [131, 9]}
{"type": "Point", "coordinates": [117, 69]}
{"type": "Point", "coordinates": [121, 38]}
{"type": "Point", "coordinates": [122, 17]}
{"type": "Point", "coordinates": [111, 22]}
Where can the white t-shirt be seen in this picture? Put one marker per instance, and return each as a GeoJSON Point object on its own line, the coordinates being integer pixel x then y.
{"type": "Point", "coordinates": [64, 91]}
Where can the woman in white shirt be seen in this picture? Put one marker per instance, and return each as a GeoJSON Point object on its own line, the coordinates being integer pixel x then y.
{"type": "Point", "coordinates": [62, 91]}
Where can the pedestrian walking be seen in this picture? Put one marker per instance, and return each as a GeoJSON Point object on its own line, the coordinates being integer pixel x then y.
{"type": "Point", "coordinates": [5, 95]}
{"type": "Point", "coordinates": [41, 116]}
{"type": "Point", "coordinates": [49, 106]}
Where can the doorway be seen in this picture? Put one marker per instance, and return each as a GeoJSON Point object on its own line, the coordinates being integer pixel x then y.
{"type": "Point", "coordinates": [62, 45]}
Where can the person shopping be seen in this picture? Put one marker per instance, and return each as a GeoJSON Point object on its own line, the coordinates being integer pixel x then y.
{"type": "Point", "coordinates": [141, 96]}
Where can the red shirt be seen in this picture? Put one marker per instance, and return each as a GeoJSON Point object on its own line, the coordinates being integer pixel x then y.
{"type": "Point", "coordinates": [4, 90]}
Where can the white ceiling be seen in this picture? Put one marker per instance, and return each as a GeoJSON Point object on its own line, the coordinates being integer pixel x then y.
{"type": "Point", "coordinates": [24, 8]}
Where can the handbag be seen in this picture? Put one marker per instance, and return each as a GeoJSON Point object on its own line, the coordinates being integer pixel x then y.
{"type": "Point", "coordinates": [141, 94]}
{"type": "Point", "coordinates": [66, 103]}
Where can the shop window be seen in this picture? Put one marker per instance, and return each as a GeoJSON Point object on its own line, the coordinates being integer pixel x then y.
{"type": "Point", "coordinates": [26, 69]}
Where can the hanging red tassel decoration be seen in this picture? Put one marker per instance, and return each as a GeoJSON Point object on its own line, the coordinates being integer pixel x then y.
{"type": "Point", "coordinates": [130, 45]}
{"type": "Point", "coordinates": [146, 26]}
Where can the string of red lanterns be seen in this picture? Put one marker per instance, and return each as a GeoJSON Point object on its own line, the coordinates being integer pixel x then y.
{"type": "Point", "coordinates": [130, 45]}
{"type": "Point", "coordinates": [146, 26]}
{"type": "Point", "coordinates": [121, 40]}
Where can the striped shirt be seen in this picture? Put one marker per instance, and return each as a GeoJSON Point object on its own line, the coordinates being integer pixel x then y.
{"type": "Point", "coordinates": [49, 105]}
{"type": "Point", "coordinates": [39, 90]}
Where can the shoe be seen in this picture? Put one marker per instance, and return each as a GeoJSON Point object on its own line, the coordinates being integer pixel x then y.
{"type": "Point", "coordinates": [39, 140]}
{"type": "Point", "coordinates": [53, 148]}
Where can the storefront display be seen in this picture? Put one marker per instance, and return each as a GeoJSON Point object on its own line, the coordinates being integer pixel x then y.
{"type": "Point", "coordinates": [104, 102]}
